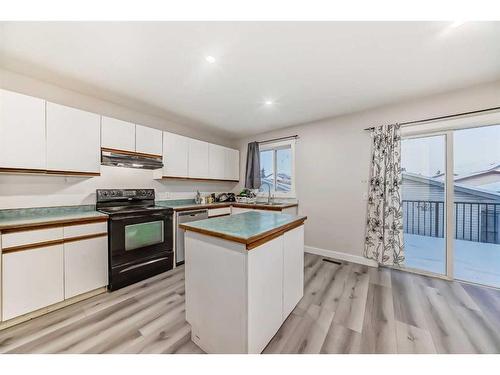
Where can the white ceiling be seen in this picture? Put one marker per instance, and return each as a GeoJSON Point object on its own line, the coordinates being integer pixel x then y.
{"type": "Point", "coordinates": [312, 70]}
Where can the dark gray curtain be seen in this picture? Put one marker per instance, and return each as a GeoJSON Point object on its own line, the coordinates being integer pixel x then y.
{"type": "Point", "coordinates": [252, 175]}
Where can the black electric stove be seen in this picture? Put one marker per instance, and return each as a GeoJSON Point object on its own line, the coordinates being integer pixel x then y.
{"type": "Point", "coordinates": [140, 235]}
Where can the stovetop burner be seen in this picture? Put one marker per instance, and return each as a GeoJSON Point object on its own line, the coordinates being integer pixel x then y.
{"type": "Point", "coordinates": [132, 209]}
{"type": "Point", "coordinates": [125, 201]}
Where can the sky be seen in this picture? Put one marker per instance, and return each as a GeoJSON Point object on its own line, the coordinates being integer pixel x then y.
{"type": "Point", "coordinates": [474, 150]}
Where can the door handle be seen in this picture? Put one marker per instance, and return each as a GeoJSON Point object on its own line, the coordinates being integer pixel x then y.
{"type": "Point", "coordinates": [142, 264]}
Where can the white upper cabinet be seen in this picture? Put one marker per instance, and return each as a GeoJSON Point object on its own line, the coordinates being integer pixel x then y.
{"type": "Point", "coordinates": [73, 140]}
{"type": "Point", "coordinates": [175, 155]}
{"type": "Point", "coordinates": [148, 140]}
{"type": "Point", "coordinates": [117, 134]}
{"type": "Point", "coordinates": [217, 160]}
{"type": "Point", "coordinates": [22, 131]}
{"type": "Point", "coordinates": [232, 164]}
{"type": "Point", "coordinates": [198, 159]}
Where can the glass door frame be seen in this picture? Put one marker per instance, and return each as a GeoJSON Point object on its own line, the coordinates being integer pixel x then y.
{"type": "Point", "coordinates": [449, 224]}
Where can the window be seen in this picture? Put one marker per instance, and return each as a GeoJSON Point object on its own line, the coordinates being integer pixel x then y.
{"type": "Point", "coordinates": [277, 167]}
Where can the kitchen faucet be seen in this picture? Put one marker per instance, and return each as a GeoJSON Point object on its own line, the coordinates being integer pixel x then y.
{"type": "Point", "coordinates": [269, 192]}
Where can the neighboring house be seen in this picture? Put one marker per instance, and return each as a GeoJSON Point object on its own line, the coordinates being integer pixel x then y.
{"type": "Point", "coordinates": [477, 211]}
{"type": "Point", "coordinates": [417, 187]}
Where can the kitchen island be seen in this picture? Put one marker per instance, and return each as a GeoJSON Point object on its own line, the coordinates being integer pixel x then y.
{"type": "Point", "coordinates": [244, 275]}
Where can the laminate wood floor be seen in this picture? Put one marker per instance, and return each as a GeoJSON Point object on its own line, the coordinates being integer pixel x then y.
{"type": "Point", "coordinates": [346, 308]}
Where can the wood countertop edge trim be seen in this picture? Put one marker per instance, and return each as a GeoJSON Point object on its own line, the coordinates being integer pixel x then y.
{"type": "Point", "coordinates": [254, 241]}
{"type": "Point", "coordinates": [59, 241]}
{"type": "Point", "coordinates": [234, 204]}
{"type": "Point", "coordinates": [48, 172]}
{"type": "Point", "coordinates": [257, 206]}
{"type": "Point", "coordinates": [202, 206]}
{"type": "Point", "coordinates": [51, 224]}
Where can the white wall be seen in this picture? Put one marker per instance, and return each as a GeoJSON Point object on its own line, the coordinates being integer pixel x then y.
{"type": "Point", "coordinates": [17, 191]}
{"type": "Point", "coordinates": [332, 162]}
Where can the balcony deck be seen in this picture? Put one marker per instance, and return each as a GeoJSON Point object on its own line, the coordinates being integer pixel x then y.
{"type": "Point", "coordinates": [475, 262]}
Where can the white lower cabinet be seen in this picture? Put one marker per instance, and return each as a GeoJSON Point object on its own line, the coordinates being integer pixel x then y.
{"type": "Point", "coordinates": [31, 279]}
{"type": "Point", "coordinates": [41, 275]}
{"type": "Point", "coordinates": [85, 265]}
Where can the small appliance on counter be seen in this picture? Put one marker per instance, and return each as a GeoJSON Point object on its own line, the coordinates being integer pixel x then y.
{"type": "Point", "coordinates": [140, 235]}
{"type": "Point", "coordinates": [225, 197]}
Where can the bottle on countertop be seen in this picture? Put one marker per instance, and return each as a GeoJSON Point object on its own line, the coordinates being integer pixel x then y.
{"type": "Point", "coordinates": [197, 199]}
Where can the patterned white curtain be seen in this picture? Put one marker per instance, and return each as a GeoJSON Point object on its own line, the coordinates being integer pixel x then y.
{"type": "Point", "coordinates": [384, 227]}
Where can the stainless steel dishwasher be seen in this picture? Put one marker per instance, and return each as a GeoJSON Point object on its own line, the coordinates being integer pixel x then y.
{"type": "Point", "coordinates": [185, 217]}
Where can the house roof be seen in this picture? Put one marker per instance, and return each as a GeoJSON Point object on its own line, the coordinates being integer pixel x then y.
{"type": "Point", "coordinates": [458, 187]}
{"type": "Point", "coordinates": [494, 168]}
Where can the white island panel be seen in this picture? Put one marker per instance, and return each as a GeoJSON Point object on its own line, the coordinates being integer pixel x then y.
{"type": "Point", "coordinates": [265, 293]}
{"type": "Point", "coordinates": [237, 299]}
{"type": "Point", "coordinates": [216, 293]}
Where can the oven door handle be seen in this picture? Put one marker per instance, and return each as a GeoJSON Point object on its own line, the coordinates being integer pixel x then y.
{"type": "Point", "coordinates": [142, 264]}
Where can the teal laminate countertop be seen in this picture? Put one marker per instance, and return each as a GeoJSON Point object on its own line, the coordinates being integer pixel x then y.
{"type": "Point", "coordinates": [189, 204]}
{"type": "Point", "coordinates": [246, 227]}
{"type": "Point", "coordinates": [29, 217]}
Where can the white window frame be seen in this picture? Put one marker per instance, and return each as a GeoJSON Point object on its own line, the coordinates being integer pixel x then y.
{"type": "Point", "coordinates": [274, 146]}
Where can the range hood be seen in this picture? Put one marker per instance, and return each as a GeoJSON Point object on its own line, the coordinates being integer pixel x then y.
{"type": "Point", "coordinates": [127, 159]}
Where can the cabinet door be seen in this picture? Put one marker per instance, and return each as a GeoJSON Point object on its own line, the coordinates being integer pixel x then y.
{"type": "Point", "coordinates": [73, 140]}
{"type": "Point", "coordinates": [216, 161]}
{"type": "Point", "coordinates": [85, 265]}
{"type": "Point", "coordinates": [198, 159]}
{"type": "Point", "coordinates": [31, 279]}
{"type": "Point", "coordinates": [22, 131]}
{"type": "Point", "coordinates": [232, 164]}
{"type": "Point", "coordinates": [293, 269]}
{"type": "Point", "coordinates": [117, 134]}
{"type": "Point", "coordinates": [175, 155]}
{"type": "Point", "coordinates": [148, 140]}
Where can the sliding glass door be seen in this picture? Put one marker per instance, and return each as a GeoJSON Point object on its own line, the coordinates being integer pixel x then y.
{"type": "Point", "coordinates": [451, 204]}
{"type": "Point", "coordinates": [476, 193]}
{"type": "Point", "coordinates": [423, 163]}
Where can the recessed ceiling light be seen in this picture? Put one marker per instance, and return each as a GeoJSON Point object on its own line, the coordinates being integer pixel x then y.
{"type": "Point", "coordinates": [268, 102]}
{"type": "Point", "coordinates": [210, 59]}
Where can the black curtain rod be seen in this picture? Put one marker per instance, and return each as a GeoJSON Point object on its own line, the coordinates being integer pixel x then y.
{"type": "Point", "coordinates": [445, 117]}
{"type": "Point", "coordinates": [280, 139]}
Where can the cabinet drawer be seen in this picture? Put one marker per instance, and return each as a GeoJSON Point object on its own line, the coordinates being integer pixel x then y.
{"type": "Point", "coordinates": [219, 211]}
{"type": "Point", "coordinates": [31, 237]}
{"type": "Point", "coordinates": [71, 231]}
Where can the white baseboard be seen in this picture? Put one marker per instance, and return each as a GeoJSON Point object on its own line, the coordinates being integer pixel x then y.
{"type": "Point", "coordinates": [341, 256]}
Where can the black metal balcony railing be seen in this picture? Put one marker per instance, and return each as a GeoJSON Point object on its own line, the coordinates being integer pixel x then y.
{"type": "Point", "coordinates": [478, 222]}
